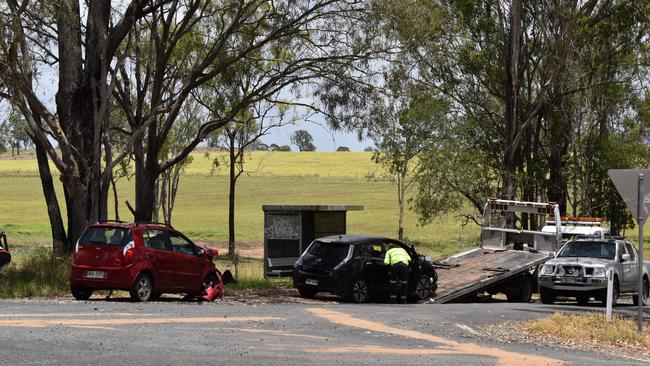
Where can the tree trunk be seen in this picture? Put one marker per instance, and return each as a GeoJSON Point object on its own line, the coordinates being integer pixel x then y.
{"type": "Point", "coordinates": [59, 239]}
{"type": "Point", "coordinates": [146, 174]}
{"type": "Point", "coordinates": [512, 103]}
{"type": "Point", "coordinates": [231, 197]}
{"type": "Point", "coordinates": [400, 200]}
{"type": "Point", "coordinates": [115, 198]}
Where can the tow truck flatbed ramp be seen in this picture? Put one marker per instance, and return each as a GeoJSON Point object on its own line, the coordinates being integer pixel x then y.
{"type": "Point", "coordinates": [480, 268]}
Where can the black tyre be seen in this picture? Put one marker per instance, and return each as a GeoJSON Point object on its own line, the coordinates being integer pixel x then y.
{"type": "Point", "coordinates": [307, 293]}
{"type": "Point", "coordinates": [644, 295]}
{"type": "Point", "coordinates": [360, 291]}
{"type": "Point", "coordinates": [80, 292]}
{"type": "Point", "coordinates": [142, 289]}
{"type": "Point", "coordinates": [521, 294]}
{"type": "Point", "coordinates": [424, 288]}
{"type": "Point", "coordinates": [546, 295]}
{"type": "Point", "coordinates": [615, 292]}
{"type": "Point", "coordinates": [582, 300]}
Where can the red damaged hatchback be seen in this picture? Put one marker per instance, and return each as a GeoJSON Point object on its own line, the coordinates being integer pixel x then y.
{"type": "Point", "coordinates": [144, 259]}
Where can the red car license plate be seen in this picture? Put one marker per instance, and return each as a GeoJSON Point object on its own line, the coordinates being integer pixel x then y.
{"type": "Point", "coordinates": [95, 274]}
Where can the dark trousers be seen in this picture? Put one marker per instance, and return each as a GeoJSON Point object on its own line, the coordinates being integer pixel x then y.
{"type": "Point", "coordinates": [398, 278]}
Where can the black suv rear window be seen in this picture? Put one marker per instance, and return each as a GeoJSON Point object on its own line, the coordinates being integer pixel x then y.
{"type": "Point", "coordinates": [106, 235]}
{"type": "Point", "coordinates": [327, 255]}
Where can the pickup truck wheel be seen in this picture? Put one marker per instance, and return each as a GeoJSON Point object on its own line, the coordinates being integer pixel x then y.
{"type": "Point", "coordinates": [546, 295]}
{"type": "Point", "coordinates": [615, 293]}
{"type": "Point", "coordinates": [644, 295]}
{"type": "Point", "coordinates": [81, 292]}
{"type": "Point", "coordinates": [307, 293]}
{"type": "Point", "coordinates": [142, 288]}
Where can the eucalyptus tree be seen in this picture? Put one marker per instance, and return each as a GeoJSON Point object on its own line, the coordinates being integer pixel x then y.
{"type": "Point", "coordinates": [513, 71]}
{"type": "Point", "coordinates": [149, 56]}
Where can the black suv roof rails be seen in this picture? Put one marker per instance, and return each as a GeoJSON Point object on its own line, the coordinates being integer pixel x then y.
{"type": "Point", "coordinates": [153, 223]}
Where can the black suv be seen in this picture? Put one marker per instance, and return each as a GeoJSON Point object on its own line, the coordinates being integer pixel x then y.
{"type": "Point", "coordinates": [352, 266]}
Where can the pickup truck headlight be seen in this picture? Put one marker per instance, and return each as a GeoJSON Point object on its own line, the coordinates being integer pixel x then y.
{"type": "Point", "coordinates": [599, 272]}
{"type": "Point", "coordinates": [547, 270]}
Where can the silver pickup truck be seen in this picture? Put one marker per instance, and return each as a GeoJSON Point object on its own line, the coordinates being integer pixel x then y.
{"type": "Point", "coordinates": [579, 270]}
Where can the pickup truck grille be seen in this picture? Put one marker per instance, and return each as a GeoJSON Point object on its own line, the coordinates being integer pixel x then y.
{"type": "Point", "coordinates": [571, 271]}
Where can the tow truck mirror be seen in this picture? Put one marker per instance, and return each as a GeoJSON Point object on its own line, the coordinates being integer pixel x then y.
{"type": "Point", "coordinates": [625, 257]}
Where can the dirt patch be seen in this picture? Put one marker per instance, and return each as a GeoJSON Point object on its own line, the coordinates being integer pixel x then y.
{"type": "Point", "coordinates": [445, 346]}
{"type": "Point", "coordinates": [253, 249]}
{"type": "Point", "coordinates": [275, 296]}
{"type": "Point", "coordinates": [517, 332]}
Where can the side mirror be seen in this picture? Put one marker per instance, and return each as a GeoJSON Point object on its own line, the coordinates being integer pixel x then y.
{"type": "Point", "coordinates": [625, 258]}
{"type": "Point", "coordinates": [200, 251]}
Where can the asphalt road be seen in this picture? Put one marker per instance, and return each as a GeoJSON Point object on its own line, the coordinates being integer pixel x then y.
{"type": "Point", "coordinates": [118, 332]}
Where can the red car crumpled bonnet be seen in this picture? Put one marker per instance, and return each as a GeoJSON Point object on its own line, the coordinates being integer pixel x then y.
{"type": "Point", "coordinates": [212, 292]}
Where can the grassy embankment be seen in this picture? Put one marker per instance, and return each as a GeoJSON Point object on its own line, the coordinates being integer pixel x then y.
{"type": "Point", "coordinates": [589, 329]}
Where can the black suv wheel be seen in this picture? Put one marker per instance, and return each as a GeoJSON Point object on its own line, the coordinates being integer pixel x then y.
{"type": "Point", "coordinates": [424, 288]}
{"type": "Point", "coordinates": [360, 291]}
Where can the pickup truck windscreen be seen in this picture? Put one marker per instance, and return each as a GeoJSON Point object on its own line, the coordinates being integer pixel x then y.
{"type": "Point", "coordinates": [589, 249]}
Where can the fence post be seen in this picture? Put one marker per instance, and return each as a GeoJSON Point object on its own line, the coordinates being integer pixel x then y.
{"type": "Point", "coordinates": [610, 290]}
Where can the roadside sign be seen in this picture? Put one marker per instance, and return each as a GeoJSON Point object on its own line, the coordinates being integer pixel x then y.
{"type": "Point", "coordinates": [634, 187]}
{"type": "Point", "coordinates": [626, 183]}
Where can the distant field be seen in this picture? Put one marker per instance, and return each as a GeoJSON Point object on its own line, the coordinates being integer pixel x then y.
{"type": "Point", "coordinates": [276, 178]}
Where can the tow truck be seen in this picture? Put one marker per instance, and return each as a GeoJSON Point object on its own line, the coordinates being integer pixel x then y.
{"type": "Point", "coordinates": [507, 258]}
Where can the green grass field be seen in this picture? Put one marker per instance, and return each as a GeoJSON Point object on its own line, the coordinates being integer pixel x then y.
{"type": "Point", "coordinates": [275, 178]}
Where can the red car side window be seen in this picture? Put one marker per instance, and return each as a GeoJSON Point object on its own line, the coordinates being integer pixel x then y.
{"type": "Point", "coordinates": [155, 239]}
{"type": "Point", "coordinates": [180, 245]}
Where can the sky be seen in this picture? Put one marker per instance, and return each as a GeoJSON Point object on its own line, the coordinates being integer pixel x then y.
{"type": "Point", "coordinates": [324, 138]}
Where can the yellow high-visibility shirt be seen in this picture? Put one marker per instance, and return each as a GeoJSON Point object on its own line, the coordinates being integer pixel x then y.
{"type": "Point", "coordinates": [396, 255]}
